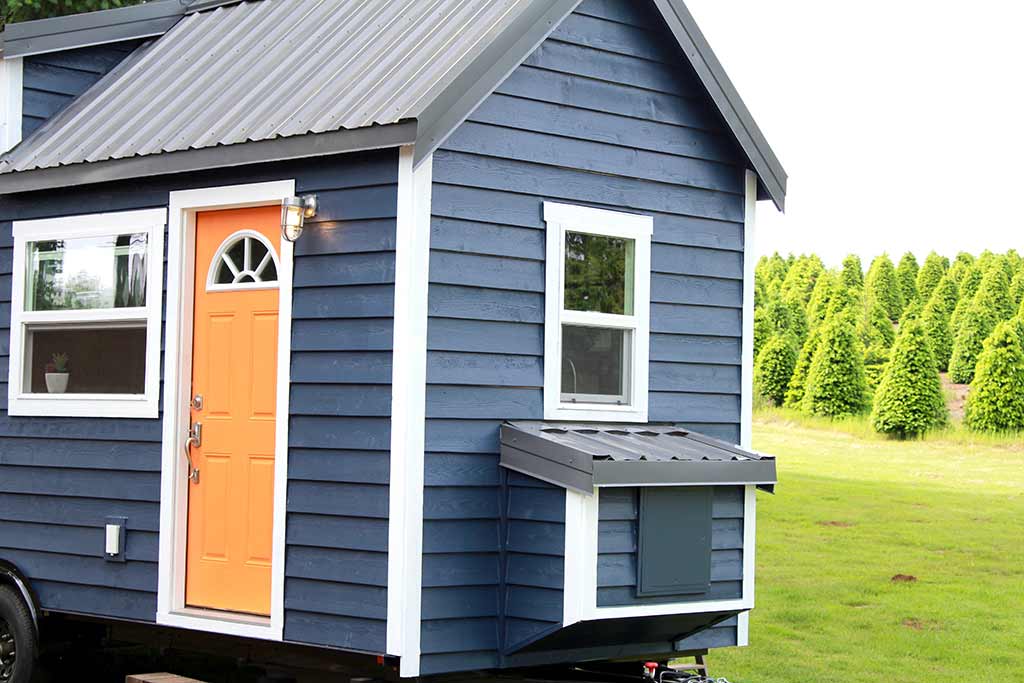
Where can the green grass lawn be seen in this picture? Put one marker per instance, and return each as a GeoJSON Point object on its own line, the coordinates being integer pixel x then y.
{"type": "Point", "coordinates": [851, 512]}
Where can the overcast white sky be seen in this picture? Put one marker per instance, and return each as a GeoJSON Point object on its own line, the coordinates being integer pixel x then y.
{"type": "Point", "coordinates": [898, 121]}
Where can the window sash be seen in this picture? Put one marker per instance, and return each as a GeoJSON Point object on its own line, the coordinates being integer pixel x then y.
{"type": "Point", "coordinates": [144, 405]}
{"type": "Point", "coordinates": [560, 219]}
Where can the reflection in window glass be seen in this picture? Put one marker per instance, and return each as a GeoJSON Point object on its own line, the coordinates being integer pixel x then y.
{"type": "Point", "coordinates": [86, 360]}
{"type": "Point", "coordinates": [594, 364]}
{"type": "Point", "coordinates": [598, 273]}
{"type": "Point", "coordinates": [86, 273]}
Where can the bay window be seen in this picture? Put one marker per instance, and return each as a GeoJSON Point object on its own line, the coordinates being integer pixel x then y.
{"type": "Point", "coordinates": [85, 315]}
{"type": "Point", "coordinates": [597, 314]}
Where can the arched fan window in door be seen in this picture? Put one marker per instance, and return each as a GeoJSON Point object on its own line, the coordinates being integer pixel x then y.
{"type": "Point", "coordinates": [245, 260]}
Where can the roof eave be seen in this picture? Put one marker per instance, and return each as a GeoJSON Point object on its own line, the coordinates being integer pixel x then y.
{"type": "Point", "coordinates": [186, 161]}
{"type": "Point", "coordinates": [760, 473]}
{"type": "Point", "coordinates": [771, 175]}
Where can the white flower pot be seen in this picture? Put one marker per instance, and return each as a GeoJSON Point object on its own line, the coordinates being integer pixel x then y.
{"type": "Point", "coordinates": [57, 382]}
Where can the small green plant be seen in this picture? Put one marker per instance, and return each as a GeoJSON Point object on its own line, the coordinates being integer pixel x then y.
{"type": "Point", "coordinates": [58, 363]}
{"type": "Point", "coordinates": [774, 367]}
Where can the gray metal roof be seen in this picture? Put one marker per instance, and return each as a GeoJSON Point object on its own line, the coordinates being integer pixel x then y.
{"type": "Point", "coordinates": [582, 456]}
{"type": "Point", "coordinates": [301, 78]}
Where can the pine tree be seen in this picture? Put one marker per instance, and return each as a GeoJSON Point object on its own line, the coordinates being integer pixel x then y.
{"type": "Point", "coordinates": [936, 320]}
{"type": "Point", "coordinates": [824, 289]}
{"type": "Point", "coordinates": [882, 284]}
{"type": "Point", "coordinates": [797, 383]}
{"type": "Point", "coordinates": [906, 275]}
{"type": "Point", "coordinates": [774, 367]}
{"type": "Point", "coordinates": [801, 278]}
{"type": "Point", "coordinates": [1017, 288]}
{"type": "Point", "coordinates": [778, 317]}
{"type": "Point", "coordinates": [853, 272]}
{"type": "Point", "coordinates": [977, 324]}
{"type": "Point", "coordinates": [994, 292]}
{"type": "Point", "coordinates": [968, 285]}
{"type": "Point", "coordinates": [876, 357]}
{"type": "Point", "coordinates": [996, 400]}
{"type": "Point", "coordinates": [909, 400]}
{"type": "Point", "coordinates": [931, 272]}
{"type": "Point", "coordinates": [875, 328]}
{"type": "Point", "coordinates": [835, 382]}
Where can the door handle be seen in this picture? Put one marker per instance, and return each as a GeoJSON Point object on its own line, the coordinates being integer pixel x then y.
{"type": "Point", "coordinates": [193, 437]}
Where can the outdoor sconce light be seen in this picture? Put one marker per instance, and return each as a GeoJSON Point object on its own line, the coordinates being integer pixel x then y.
{"type": "Point", "coordinates": [294, 212]}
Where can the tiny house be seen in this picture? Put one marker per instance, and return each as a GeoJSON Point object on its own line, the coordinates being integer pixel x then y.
{"type": "Point", "coordinates": [417, 335]}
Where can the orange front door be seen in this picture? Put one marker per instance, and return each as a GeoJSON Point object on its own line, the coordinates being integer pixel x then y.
{"type": "Point", "coordinates": [234, 370]}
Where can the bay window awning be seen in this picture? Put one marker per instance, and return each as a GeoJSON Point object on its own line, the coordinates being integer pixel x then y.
{"type": "Point", "coordinates": [585, 456]}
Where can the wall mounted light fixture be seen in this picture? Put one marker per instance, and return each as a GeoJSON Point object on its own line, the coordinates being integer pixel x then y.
{"type": "Point", "coordinates": [294, 212]}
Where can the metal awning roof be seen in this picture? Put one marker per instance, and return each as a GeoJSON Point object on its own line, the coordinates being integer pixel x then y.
{"type": "Point", "coordinates": [585, 456]}
{"type": "Point", "coordinates": [268, 80]}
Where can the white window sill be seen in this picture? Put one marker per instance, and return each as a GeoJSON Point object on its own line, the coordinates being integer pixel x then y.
{"type": "Point", "coordinates": [595, 412]}
{"type": "Point", "coordinates": [82, 405]}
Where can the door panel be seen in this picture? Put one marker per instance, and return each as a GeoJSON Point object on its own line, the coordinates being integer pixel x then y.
{"type": "Point", "coordinates": [234, 368]}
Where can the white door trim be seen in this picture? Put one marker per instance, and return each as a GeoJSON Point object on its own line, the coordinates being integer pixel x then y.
{"type": "Point", "coordinates": [181, 227]}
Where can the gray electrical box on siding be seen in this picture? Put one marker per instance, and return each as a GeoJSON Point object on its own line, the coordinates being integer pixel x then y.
{"type": "Point", "coordinates": [674, 545]}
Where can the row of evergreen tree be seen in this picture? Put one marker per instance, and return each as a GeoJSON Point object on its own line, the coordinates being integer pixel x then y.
{"type": "Point", "coordinates": [839, 342]}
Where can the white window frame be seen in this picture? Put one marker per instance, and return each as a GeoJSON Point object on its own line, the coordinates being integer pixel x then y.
{"type": "Point", "coordinates": [562, 218]}
{"type": "Point", "coordinates": [229, 241]}
{"type": "Point", "coordinates": [144, 405]}
{"type": "Point", "coordinates": [11, 81]}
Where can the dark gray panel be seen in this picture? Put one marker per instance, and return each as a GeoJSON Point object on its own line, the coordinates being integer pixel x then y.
{"type": "Point", "coordinates": [674, 541]}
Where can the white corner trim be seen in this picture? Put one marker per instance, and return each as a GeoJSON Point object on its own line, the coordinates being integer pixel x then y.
{"type": "Point", "coordinates": [581, 540]}
{"type": "Point", "coordinates": [749, 262]}
{"type": "Point", "coordinates": [171, 610]}
{"type": "Point", "coordinates": [559, 219]}
{"type": "Point", "coordinates": [21, 402]}
{"type": "Point", "coordinates": [408, 410]}
{"type": "Point", "coordinates": [11, 83]}
{"type": "Point", "coordinates": [743, 629]}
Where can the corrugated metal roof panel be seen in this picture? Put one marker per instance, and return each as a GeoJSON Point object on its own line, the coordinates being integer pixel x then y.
{"type": "Point", "coordinates": [267, 69]}
{"type": "Point", "coordinates": [585, 455]}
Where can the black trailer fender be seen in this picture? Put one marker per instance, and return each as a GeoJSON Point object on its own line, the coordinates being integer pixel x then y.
{"type": "Point", "coordinates": [11, 576]}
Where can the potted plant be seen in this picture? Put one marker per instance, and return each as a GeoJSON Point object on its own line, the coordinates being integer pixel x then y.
{"type": "Point", "coordinates": [57, 374]}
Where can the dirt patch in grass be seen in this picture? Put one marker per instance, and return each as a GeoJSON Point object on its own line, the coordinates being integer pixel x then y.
{"type": "Point", "coordinates": [956, 395]}
{"type": "Point", "coordinates": [836, 523]}
{"type": "Point", "coordinates": [904, 578]}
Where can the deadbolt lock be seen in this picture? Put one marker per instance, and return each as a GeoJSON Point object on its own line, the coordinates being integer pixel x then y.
{"type": "Point", "coordinates": [197, 402]}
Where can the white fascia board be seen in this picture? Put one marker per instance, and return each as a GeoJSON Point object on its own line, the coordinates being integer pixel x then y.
{"type": "Point", "coordinates": [11, 83]}
{"type": "Point", "coordinates": [747, 361]}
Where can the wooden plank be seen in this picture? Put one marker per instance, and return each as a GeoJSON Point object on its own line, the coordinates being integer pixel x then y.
{"type": "Point", "coordinates": [536, 504]}
{"type": "Point", "coordinates": [85, 571]}
{"type": "Point", "coordinates": [358, 301]}
{"type": "Point", "coordinates": [328, 498]}
{"type": "Point", "coordinates": [461, 469]}
{"type": "Point", "coordinates": [460, 535]}
{"type": "Point", "coordinates": [334, 531]}
{"type": "Point", "coordinates": [695, 348]}
{"type": "Point", "coordinates": [84, 541]}
{"type": "Point", "coordinates": [39, 75]}
{"type": "Point", "coordinates": [341, 367]}
{"type": "Point", "coordinates": [447, 301]}
{"type": "Point", "coordinates": [133, 456]}
{"type": "Point", "coordinates": [355, 334]}
{"type": "Point", "coordinates": [100, 601]}
{"type": "Point", "coordinates": [372, 268]}
{"type": "Point", "coordinates": [534, 603]}
{"type": "Point", "coordinates": [349, 237]}
{"type": "Point", "coordinates": [479, 569]}
{"type": "Point", "coordinates": [352, 433]}
{"type": "Point", "coordinates": [682, 260]}
{"type": "Point", "coordinates": [453, 234]}
{"type": "Point", "coordinates": [460, 503]}
{"type": "Point", "coordinates": [693, 378]}
{"type": "Point", "coordinates": [462, 436]}
{"type": "Point", "coordinates": [543, 571]}
{"type": "Point", "coordinates": [696, 290]}
{"type": "Point", "coordinates": [341, 599]}
{"type": "Point", "coordinates": [599, 126]}
{"type": "Point", "coordinates": [484, 336]}
{"type": "Point", "coordinates": [490, 272]}
{"type": "Point", "coordinates": [667, 406]}
{"type": "Point", "coordinates": [496, 403]}
{"type": "Point", "coordinates": [458, 635]}
{"type": "Point", "coordinates": [351, 400]}
{"type": "Point", "coordinates": [351, 466]}
{"type": "Point", "coordinates": [445, 367]}
{"type": "Point", "coordinates": [342, 566]}
{"type": "Point", "coordinates": [595, 157]}
{"type": "Point", "coordinates": [538, 538]}
{"type": "Point", "coordinates": [634, 41]}
{"type": "Point", "coordinates": [368, 635]}
{"type": "Point", "coordinates": [459, 602]}
{"type": "Point", "coordinates": [142, 516]}
{"type": "Point", "coordinates": [81, 483]}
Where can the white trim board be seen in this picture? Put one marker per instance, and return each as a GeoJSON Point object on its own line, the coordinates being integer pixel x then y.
{"type": "Point", "coordinates": [11, 85]}
{"type": "Point", "coordinates": [579, 598]}
{"type": "Point", "coordinates": [559, 219]}
{"type": "Point", "coordinates": [171, 610]}
{"type": "Point", "coordinates": [408, 410]}
{"type": "Point", "coordinates": [144, 405]}
{"type": "Point", "coordinates": [749, 263]}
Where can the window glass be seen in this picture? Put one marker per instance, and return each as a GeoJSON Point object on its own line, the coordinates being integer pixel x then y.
{"type": "Point", "coordinates": [595, 364]}
{"type": "Point", "coordinates": [85, 360]}
{"type": "Point", "coordinates": [598, 273]}
{"type": "Point", "coordinates": [87, 272]}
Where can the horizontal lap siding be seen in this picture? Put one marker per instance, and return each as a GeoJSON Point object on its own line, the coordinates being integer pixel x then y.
{"type": "Point", "coordinates": [617, 549]}
{"type": "Point", "coordinates": [601, 114]}
{"type": "Point", "coordinates": [340, 433]}
{"type": "Point", "coordinates": [533, 559]}
{"type": "Point", "coordinates": [61, 477]}
{"type": "Point", "coordinates": [51, 81]}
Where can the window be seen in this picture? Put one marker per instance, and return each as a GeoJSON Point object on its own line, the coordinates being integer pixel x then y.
{"type": "Point", "coordinates": [597, 314]}
{"type": "Point", "coordinates": [246, 260]}
{"type": "Point", "coordinates": [85, 315]}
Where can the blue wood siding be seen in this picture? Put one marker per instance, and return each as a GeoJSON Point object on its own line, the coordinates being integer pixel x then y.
{"type": "Point", "coordinates": [617, 549]}
{"type": "Point", "coordinates": [532, 561]}
{"type": "Point", "coordinates": [53, 79]}
{"type": "Point", "coordinates": [602, 114]}
{"type": "Point", "coordinates": [61, 477]}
